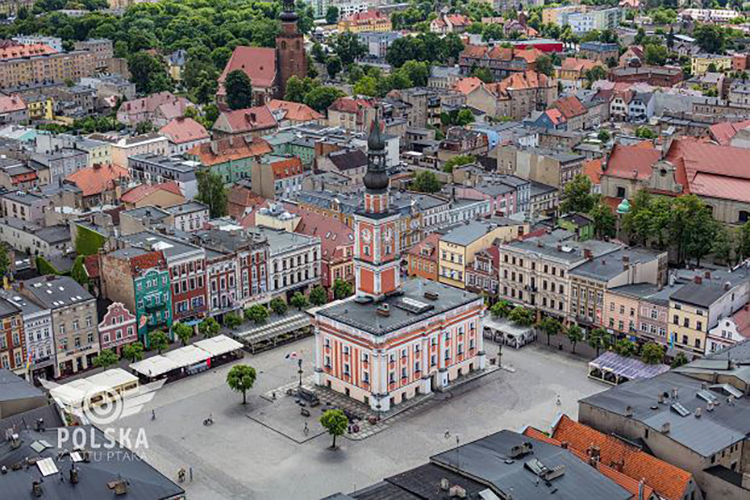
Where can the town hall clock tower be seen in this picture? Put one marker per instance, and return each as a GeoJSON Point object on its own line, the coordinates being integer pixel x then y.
{"type": "Point", "coordinates": [376, 247]}
{"type": "Point", "coordinates": [290, 48]}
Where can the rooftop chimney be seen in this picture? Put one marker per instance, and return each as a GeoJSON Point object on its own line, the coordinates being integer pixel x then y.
{"type": "Point", "coordinates": [707, 275]}
{"type": "Point", "coordinates": [698, 412]}
{"type": "Point", "coordinates": [666, 427]}
{"type": "Point", "coordinates": [36, 489]}
{"type": "Point", "coordinates": [698, 280]}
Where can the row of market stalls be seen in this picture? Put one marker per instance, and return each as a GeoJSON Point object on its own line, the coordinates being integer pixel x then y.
{"type": "Point", "coordinates": [189, 360]}
{"type": "Point", "coordinates": [287, 328]}
{"type": "Point", "coordinates": [79, 398]}
{"type": "Point", "coordinates": [614, 369]}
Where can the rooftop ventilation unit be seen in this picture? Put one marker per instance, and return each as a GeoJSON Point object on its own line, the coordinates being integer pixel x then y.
{"type": "Point", "coordinates": [680, 410]}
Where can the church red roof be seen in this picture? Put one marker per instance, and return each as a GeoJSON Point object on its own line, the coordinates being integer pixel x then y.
{"type": "Point", "coordinates": [259, 63]}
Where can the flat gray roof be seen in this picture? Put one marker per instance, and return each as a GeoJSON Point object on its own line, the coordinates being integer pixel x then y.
{"type": "Point", "coordinates": [172, 247]}
{"type": "Point", "coordinates": [559, 245]}
{"type": "Point", "coordinates": [54, 292]}
{"type": "Point", "coordinates": [364, 316]}
{"type": "Point", "coordinates": [713, 432]}
{"type": "Point", "coordinates": [186, 208]}
{"type": "Point", "coordinates": [465, 234]}
{"type": "Point", "coordinates": [611, 265]}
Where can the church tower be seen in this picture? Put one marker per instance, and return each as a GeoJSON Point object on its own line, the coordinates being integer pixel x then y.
{"type": "Point", "coordinates": [290, 48]}
{"type": "Point", "coordinates": [376, 248]}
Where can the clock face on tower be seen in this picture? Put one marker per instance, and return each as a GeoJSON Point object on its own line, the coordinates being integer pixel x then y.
{"type": "Point", "coordinates": [366, 235]}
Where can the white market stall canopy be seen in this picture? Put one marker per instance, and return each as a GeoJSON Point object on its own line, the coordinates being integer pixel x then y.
{"type": "Point", "coordinates": [110, 381]}
{"type": "Point", "coordinates": [219, 345]}
{"type": "Point", "coordinates": [154, 366]}
{"type": "Point", "coordinates": [186, 356]}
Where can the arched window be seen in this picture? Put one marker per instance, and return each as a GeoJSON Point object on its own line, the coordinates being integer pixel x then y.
{"type": "Point", "coordinates": [283, 45]}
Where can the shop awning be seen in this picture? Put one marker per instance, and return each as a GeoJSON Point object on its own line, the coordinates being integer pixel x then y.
{"type": "Point", "coordinates": [219, 345]}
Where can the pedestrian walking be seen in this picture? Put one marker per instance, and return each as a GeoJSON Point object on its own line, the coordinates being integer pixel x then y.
{"type": "Point", "coordinates": [191, 473]}
{"type": "Point", "coordinates": [306, 430]}
{"type": "Point", "coordinates": [153, 414]}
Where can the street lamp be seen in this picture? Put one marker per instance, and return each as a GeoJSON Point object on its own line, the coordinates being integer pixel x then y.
{"type": "Point", "coordinates": [500, 355]}
{"type": "Point", "coordinates": [300, 371]}
{"type": "Point", "coordinates": [377, 407]}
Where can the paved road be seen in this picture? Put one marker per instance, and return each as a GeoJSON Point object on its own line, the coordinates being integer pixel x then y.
{"type": "Point", "coordinates": [239, 458]}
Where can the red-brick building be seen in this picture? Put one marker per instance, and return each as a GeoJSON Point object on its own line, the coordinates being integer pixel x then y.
{"type": "Point", "coordinates": [12, 342]}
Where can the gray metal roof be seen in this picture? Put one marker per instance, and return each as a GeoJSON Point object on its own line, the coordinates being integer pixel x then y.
{"type": "Point", "coordinates": [187, 208]}
{"type": "Point", "coordinates": [173, 248]}
{"type": "Point", "coordinates": [489, 460]}
{"type": "Point", "coordinates": [714, 431]}
{"type": "Point", "coordinates": [468, 233]}
{"type": "Point", "coordinates": [94, 476]}
{"type": "Point", "coordinates": [560, 246]}
{"type": "Point", "coordinates": [13, 387]}
{"type": "Point", "coordinates": [613, 264]}
{"type": "Point", "coordinates": [55, 292]}
{"type": "Point", "coordinates": [150, 213]}
{"type": "Point", "coordinates": [364, 316]}
{"type": "Point", "coordinates": [709, 290]}
{"type": "Point", "coordinates": [281, 241]}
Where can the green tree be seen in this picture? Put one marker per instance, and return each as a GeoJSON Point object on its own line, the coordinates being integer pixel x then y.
{"type": "Point", "coordinates": [241, 378]}
{"type": "Point", "coordinates": [105, 359]}
{"type": "Point", "coordinates": [212, 192]}
{"type": "Point", "coordinates": [78, 271]}
{"type": "Point", "coordinates": [5, 267]}
{"type": "Point", "coordinates": [321, 98]}
{"type": "Point", "coordinates": [333, 67]}
{"type": "Point", "coordinates": [457, 161]}
{"type": "Point", "coordinates": [348, 47]}
{"type": "Point", "coordinates": [298, 300]}
{"type": "Point", "coordinates": [297, 88]}
{"type": "Point", "coordinates": [133, 352]}
{"type": "Point", "coordinates": [521, 316]}
{"type": "Point", "coordinates": [702, 228]}
{"type": "Point", "coordinates": [209, 327]}
{"type": "Point", "coordinates": [318, 296]}
{"type": "Point", "coordinates": [335, 422]}
{"type": "Point", "coordinates": [278, 306]}
{"type": "Point", "coordinates": [656, 55]}
{"type": "Point", "coordinates": [318, 53]}
{"type": "Point", "coordinates": [652, 354]}
{"type": "Point", "coordinates": [417, 72]}
{"type": "Point", "coordinates": [256, 313]}
{"type": "Point", "coordinates": [148, 73]}
{"type": "Point", "coordinates": [367, 85]}
{"type": "Point", "coordinates": [598, 339]}
{"type": "Point", "coordinates": [743, 244]}
{"type": "Point", "coordinates": [604, 136]}
{"type": "Point", "coordinates": [501, 309]}
{"type": "Point", "coordinates": [544, 65]}
{"type": "Point", "coordinates": [645, 132]}
{"type": "Point", "coordinates": [625, 348]}
{"type": "Point", "coordinates": [182, 332]}
{"type": "Point", "coordinates": [158, 340]}
{"type": "Point", "coordinates": [670, 38]}
{"type": "Point", "coordinates": [232, 321]}
{"type": "Point", "coordinates": [342, 289]}
{"type": "Point", "coordinates": [484, 74]}
{"type": "Point", "coordinates": [605, 223]}
{"type": "Point", "coordinates": [239, 90]}
{"type": "Point", "coordinates": [679, 360]}
{"type": "Point", "coordinates": [574, 334]}
{"type": "Point", "coordinates": [711, 38]}
{"type": "Point", "coordinates": [577, 195]}
{"type": "Point", "coordinates": [550, 326]}
{"type": "Point", "coordinates": [144, 127]}
{"type": "Point", "coordinates": [595, 74]}
{"type": "Point", "coordinates": [332, 14]}
{"type": "Point", "coordinates": [723, 244]}
{"type": "Point", "coordinates": [426, 182]}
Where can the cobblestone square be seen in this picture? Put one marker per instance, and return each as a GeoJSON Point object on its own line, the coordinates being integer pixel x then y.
{"type": "Point", "coordinates": [259, 450]}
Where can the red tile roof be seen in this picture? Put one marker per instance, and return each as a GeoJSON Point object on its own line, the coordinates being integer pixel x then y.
{"type": "Point", "coordinates": [593, 169]}
{"type": "Point", "coordinates": [151, 103]}
{"type": "Point", "coordinates": [723, 132]}
{"type": "Point", "coordinates": [140, 192]}
{"type": "Point", "coordinates": [349, 104]}
{"type": "Point", "coordinates": [91, 264]}
{"type": "Point", "coordinates": [526, 80]}
{"type": "Point", "coordinates": [335, 236]}
{"type": "Point", "coordinates": [242, 197]}
{"type": "Point", "coordinates": [631, 162]}
{"type": "Point", "coordinates": [259, 63]}
{"type": "Point", "coordinates": [667, 480]}
{"type": "Point", "coordinates": [630, 484]}
{"type": "Point", "coordinates": [295, 111]}
{"type": "Point", "coordinates": [287, 168]}
{"type": "Point", "coordinates": [467, 85]}
{"type": "Point", "coordinates": [580, 65]}
{"type": "Point", "coordinates": [742, 319]}
{"type": "Point", "coordinates": [431, 243]}
{"type": "Point", "coordinates": [368, 15]}
{"type": "Point", "coordinates": [246, 120]}
{"type": "Point", "coordinates": [182, 129]}
{"type": "Point", "coordinates": [458, 19]}
{"type": "Point", "coordinates": [98, 179]}
{"type": "Point", "coordinates": [147, 261]}
{"type": "Point", "coordinates": [555, 116]}
{"type": "Point", "coordinates": [10, 104]}
{"type": "Point", "coordinates": [570, 107]}
{"type": "Point", "coordinates": [231, 148]}
{"type": "Point", "coordinates": [18, 51]}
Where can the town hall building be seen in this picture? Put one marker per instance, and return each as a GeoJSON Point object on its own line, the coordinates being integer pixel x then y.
{"type": "Point", "coordinates": [270, 68]}
{"type": "Point", "coordinates": [394, 339]}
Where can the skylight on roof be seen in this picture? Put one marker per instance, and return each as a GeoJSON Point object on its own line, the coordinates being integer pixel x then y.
{"type": "Point", "coordinates": [680, 410]}
{"type": "Point", "coordinates": [47, 466]}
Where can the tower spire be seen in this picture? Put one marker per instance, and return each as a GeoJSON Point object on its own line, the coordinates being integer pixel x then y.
{"type": "Point", "coordinates": [376, 178]}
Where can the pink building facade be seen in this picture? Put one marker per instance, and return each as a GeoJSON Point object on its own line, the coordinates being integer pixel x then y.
{"type": "Point", "coordinates": [117, 328]}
